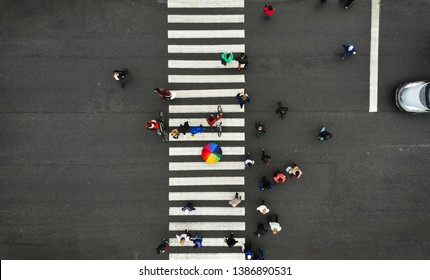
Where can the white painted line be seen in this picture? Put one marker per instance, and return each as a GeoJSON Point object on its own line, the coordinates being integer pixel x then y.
{"type": "Point", "coordinates": [207, 181]}
{"type": "Point", "coordinates": [207, 242]}
{"type": "Point", "coordinates": [235, 122]}
{"type": "Point", "coordinates": [219, 79]}
{"type": "Point", "coordinates": [207, 93]}
{"type": "Point", "coordinates": [197, 151]}
{"type": "Point", "coordinates": [226, 108]}
{"type": "Point", "coordinates": [194, 166]}
{"type": "Point", "coordinates": [207, 226]}
{"type": "Point", "coordinates": [206, 256]}
{"type": "Point", "coordinates": [211, 136]}
{"type": "Point", "coordinates": [374, 54]}
{"type": "Point", "coordinates": [235, 48]}
{"type": "Point", "coordinates": [205, 4]}
{"type": "Point", "coordinates": [205, 18]}
{"type": "Point", "coordinates": [197, 34]}
{"type": "Point", "coordinates": [209, 211]}
{"type": "Point", "coordinates": [201, 64]}
{"type": "Point", "coordinates": [209, 196]}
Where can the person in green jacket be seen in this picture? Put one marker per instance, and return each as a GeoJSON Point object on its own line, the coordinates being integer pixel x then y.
{"type": "Point", "coordinates": [226, 58]}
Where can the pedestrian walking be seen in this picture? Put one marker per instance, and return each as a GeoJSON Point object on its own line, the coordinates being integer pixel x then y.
{"type": "Point", "coordinates": [281, 110]}
{"type": "Point", "coordinates": [120, 76]}
{"type": "Point", "coordinates": [265, 184]}
{"type": "Point", "coordinates": [247, 250]}
{"type": "Point", "coordinates": [183, 238]}
{"type": "Point", "coordinates": [236, 200]}
{"type": "Point", "coordinates": [163, 247]}
{"type": "Point", "coordinates": [260, 255]}
{"type": "Point", "coordinates": [152, 125]}
{"type": "Point", "coordinates": [196, 129]}
{"type": "Point", "coordinates": [212, 119]}
{"type": "Point", "coordinates": [175, 133]}
{"type": "Point", "coordinates": [279, 177]}
{"type": "Point", "coordinates": [188, 208]}
{"type": "Point", "coordinates": [184, 128]}
{"type": "Point", "coordinates": [197, 240]}
{"type": "Point", "coordinates": [348, 50]}
{"type": "Point", "coordinates": [268, 11]}
{"type": "Point", "coordinates": [226, 57]}
{"type": "Point", "coordinates": [260, 230]}
{"type": "Point", "coordinates": [248, 161]}
{"type": "Point", "coordinates": [265, 158]}
{"type": "Point", "coordinates": [242, 59]}
{"type": "Point", "coordinates": [323, 1]}
{"type": "Point", "coordinates": [274, 225]}
{"type": "Point", "coordinates": [263, 208]}
{"type": "Point", "coordinates": [260, 128]}
{"type": "Point", "coordinates": [165, 94]}
{"type": "Point", "coordinates": [294, 171]}
{"type": "Point", "coordinates": [324, 134]}
{"type": "Point", "coordinates": [230, 241]}
{"type": "Point", "coordinates": [348, 2]}
{"type": "Point", "coordinates": [242, 98]}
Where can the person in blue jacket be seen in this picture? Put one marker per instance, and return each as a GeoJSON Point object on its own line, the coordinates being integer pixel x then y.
{"type": "Point", "coordinates": [196, 129]}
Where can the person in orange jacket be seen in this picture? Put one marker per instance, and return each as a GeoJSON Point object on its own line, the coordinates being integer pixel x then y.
{"type": "Point", "coordinates": [279, 177]}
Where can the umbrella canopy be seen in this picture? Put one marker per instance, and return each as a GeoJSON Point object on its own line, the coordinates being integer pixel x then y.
{"type": "Point", "coordinates": [211, 153]}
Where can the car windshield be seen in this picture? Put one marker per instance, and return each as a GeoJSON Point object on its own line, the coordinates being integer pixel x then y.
{"type": "Point", "coordinates": [427, 95]}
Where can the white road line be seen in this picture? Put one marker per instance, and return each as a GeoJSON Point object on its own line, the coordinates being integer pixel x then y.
{"type": "Point", "coordinates": [197, 34]}
{"type": "Point", "coordinates": [235, 48]}
{"type": "Point", "coordinates": [197, 151]}
{"type": "Point", "coordinates": [207, 226]}
{"type": "Point", "coordinates": [194, 79]}
{"type": "Point", "coordinates": [207, 242]}
{"type": "Point", "coordinates": [374, 54]}
{"type": "Point", "coordinates": [235, 122]}
{"type": "Point", "coordinates": [205, 4]}
{"type": "Point", "coordinates": [207, 93]}
{"type": "Point", "coordinates": [209, 196]}
{"type": "Point", "coordinates": [194, 166]}
{"type": "Point", "coordinates": [209, 211]}
{"type": "Point", "coordinates": [201, 64]}
{"type": "Point", "coordinates": [211, 136]}
{"type": "Point", "coordinates": [207, 181]}
{"type": "Point", "coordinates": [206, 18]}
{"type": "Point", "coordinates": [206, 256]}
{"type": "Point", "coordinates": [226, 108]}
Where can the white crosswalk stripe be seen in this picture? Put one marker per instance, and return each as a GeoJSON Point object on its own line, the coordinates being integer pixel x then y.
{"type": "Point", "coordinates": [198, 79]}
{"type": "Point", "coordinates": [226, 108]}
{"type": "Point", "coordinates": [206, 256]}
{"type": "Point", "coordinates": [207, 226]}
{"type": "Point", "coordinates": [205, 4]}
{"type": "Point", "coordinates": [209, 211]}
{"type": "Point", "coordinates": [235, 48]}
{"type": "Point", "coordinates": [194, 166]}
{"type": "Point", "coordinates": [208, 242]}
{"type": "Point", "coordinates": [192, 196]}
{"type": "Point", "coordinates": [210, 136]}
{"type": "Point", "coordinates": [197, 151]}
{"type": "Point", "coordinates": [197, 34]}
{"type": "Point", "coordinates": [207, 181]}
{"type": "Point", "coordinates": [206, 18]}
{"type": "Point", "coordinates": [201, 64]}
{"type": "Point", "coordinates": [207, 93]}
{"type": "Point", "coordinates": [226, 122]}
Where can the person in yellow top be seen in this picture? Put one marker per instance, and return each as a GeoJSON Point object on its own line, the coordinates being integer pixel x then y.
{"type": "Point", "coordinates": [294, 171]}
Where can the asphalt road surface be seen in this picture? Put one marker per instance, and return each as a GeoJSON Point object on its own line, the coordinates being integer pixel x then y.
{"type": "Point", "coordinates": [81, 178]}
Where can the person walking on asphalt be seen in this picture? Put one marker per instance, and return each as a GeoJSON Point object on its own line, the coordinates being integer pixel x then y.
{"type": "Point", "coordinates": [247, 250]}
{"type": "Point", "coordinates": [274, 225]}
{"type": "Point", "coordinates": [282, 110]}
{"type": "Point", "coordinates": [294, 171]}
{"type": "Point", "coordinates": [260, 255]}
{"type": "Point", "coordinates": [165, 94]}
{"type": "Point", "coordinates": [120, 76]}
{"type": "Point", "coordinates": [230, 241]}
{"type": "Point", "coordinates": [197, 240]}
{"type": "Point", "coordinates": [324, 134]}
{"type": "Point", "coordinates": [235, 201]}
{"type": "Point", "coordinates": [265, 158]}
{"type": "Point", "coordinates": [226, 57]}
{"type": "Point", "coordinates": [196, 129]}
{"type": "Point", "coordinates": [279, 177]}
{"type": "Point", "coordinates": [184, 128]}
{"type": "Point", "coordinates": [248, 161]}
{"type": "Point", "coordinates": [268, 11]}
{"type": "Point", "coordinates": [242, 98]}
{"type": "Point", "coordinates": [265, 184]}
{"type": "Point", "coordinates": [188, 208]}
{"type": "Point", "coordinates": [260, 230]}
{"type": "Point", "coordinates": [183, 238]}
{"type": "Point", "coordinates": [348, 50]}
{"type": "Point", "coordinates": [242, 60]}
{"type": "Point", "coordinates": [348, 2]}
{"type": "Point", "coordinates": [163, 247]}
{"type": "Point", "coordinates": [260, 128]}
{"type": "Point", "coordinates": [263, 208]}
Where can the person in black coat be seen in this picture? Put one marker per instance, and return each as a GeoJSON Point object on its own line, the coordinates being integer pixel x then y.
{"type": "Point", "coordinates": [230, 241]}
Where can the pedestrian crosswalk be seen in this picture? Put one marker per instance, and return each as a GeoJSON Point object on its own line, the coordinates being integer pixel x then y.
{"type": "Point", "coordinates": [191, 25]}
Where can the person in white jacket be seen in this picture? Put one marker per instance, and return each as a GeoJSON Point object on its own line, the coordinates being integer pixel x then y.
{"type": "Point", "coordinates": [183, 238]}
{"type": "Point", "coordinates": [263, 208]}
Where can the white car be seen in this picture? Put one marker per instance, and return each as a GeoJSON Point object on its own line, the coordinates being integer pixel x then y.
{"type": "Point", "coordinates": [414, 97]}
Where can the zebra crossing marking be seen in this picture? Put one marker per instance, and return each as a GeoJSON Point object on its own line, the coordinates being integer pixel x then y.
{"type": "Point", "coordinates": [207, 93]}
{"type": "Point", "coordinates": [206, 18]}
{"type": "Point", "coordinates": [196, 79]}
{"type": "Point", "coordinates": [205, 4]}
{"type": "Point", "coordinates": [206, 256]}
{"type": "Point", "coordinates": [226, 108]}
{"type": "Point", "coordinates": [210, 136]}
{"type": "Point", "coordinates": [195, 166]}
{"type": "Point", "coordinates": [226, 122]}
{"type": "Point", "coordinates": [207, 181]}
{"type": "Point", "coordinates": [197, 151]}
{"type": "Point", "coordinates": [207, 242]}
{"type": "Point", "coordinates": [207, 226]}
{"type": "Point", "coordinates": [235, 48]}
{"type": "Point", "coordinates": [210, 196]}
{"type": "Point", "coordinates": [209, 211]}
{"type": "Point", "coordinates": [205, 34]}
{"type": "Point", "coordinates": [201, 64]}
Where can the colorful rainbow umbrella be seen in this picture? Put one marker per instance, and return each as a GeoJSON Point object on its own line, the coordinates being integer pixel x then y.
{"type": "Point", "coordinates": [211, 153]}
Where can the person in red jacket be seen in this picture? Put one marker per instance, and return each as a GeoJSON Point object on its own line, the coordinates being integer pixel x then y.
{"type": "Point", "coordinates": [152, 125]}
{"type": "Point", "coordinates": [279, 177]}
{"type": "Point", "coordinates": [269, 11]}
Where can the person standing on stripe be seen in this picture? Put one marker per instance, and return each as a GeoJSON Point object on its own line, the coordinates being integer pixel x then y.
{"type": "Point", "coordinates": [188, 208]}
{"type": "Point", "coordinates": [197, 240]}
{"type": "Point", "coordinates": [248, 161]}
{"type": "Point", "coordinates": [242, 60]}
{"type": "Point", "coordinates": [243, 98]}
{"type": "Point", "coordinates": [235, 201]}
{"type": "Point", "coordinates": [230, 241]}
{"type": "Point", "coordinates": [226, 57]}
{"type": "Point", "coordinates": [196, 129]}
{"type": "Point", "coordinates": [183, 238]}
{"type": "Point", "coordinates": [268, 11]}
